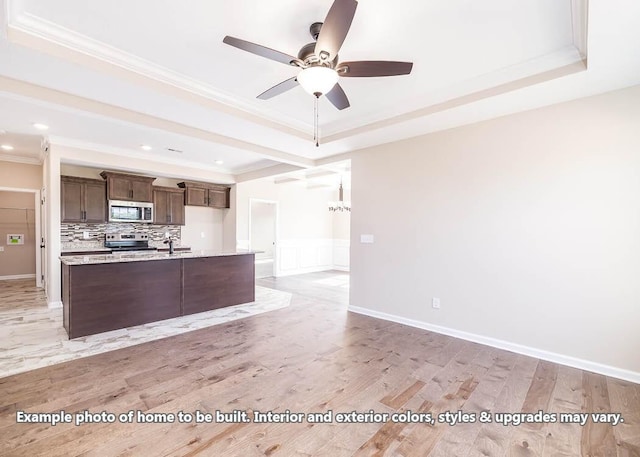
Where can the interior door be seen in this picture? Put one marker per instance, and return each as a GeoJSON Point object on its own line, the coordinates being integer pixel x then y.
{"type": "Point", "coordinates": [262, 236]}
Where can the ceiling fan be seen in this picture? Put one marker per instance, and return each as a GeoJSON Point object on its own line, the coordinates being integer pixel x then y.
{"type": "Point", "coordinates": [318, 61]}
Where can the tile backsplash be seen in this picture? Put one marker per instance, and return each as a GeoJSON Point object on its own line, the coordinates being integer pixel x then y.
{"type": "Point", "coordinates": [72, 235]}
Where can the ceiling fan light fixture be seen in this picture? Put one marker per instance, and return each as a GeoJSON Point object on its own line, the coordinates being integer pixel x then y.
{"type": "Point", "coordinates": [318, 79]}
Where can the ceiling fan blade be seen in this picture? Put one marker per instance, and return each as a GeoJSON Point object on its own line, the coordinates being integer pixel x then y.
{"type": "Point", "coordinates": [279, 88]}
{"type": "Point", "coordinates": [335, 28]}
{"type": "Point", "coordinates": [367, 68]}
{"type": "Point", "coordinates": [259, 50]}
{"type": "Point", "coordinates": [338, 98]}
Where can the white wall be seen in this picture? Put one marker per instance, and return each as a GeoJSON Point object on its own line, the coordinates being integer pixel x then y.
{"type": "Point", "coordinates": [526, 227]}
{"type": "Point", "coordinates": [203, 228]}
{"type": "Point", "coordinates": [305, 225]}
{"type": "Point", "coordinates": [341, 234]}
{"type": "Point", "coordinates": [51, 184]}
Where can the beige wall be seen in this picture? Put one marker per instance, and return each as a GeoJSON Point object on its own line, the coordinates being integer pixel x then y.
{"type": "Point", "coordinates": [526, 227]}
{"type": "Point", "coordinates": [17, 216]}
{"type": "Point", "coordinates": [20, 175]}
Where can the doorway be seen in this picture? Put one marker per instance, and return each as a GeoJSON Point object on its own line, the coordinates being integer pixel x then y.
{"type": "Point", "coordinates": [20, 234]}
{"type": "Point", "coordinates": [263, 234]}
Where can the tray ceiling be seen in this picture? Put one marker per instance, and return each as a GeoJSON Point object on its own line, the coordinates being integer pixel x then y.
{"type": "Point", "coordinates": [165, 63]}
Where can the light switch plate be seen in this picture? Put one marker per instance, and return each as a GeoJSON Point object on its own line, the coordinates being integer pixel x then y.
{"type": "Point", "coordinates": [1, 248]}
{"type": "Point", "coordinates": [366, 239]}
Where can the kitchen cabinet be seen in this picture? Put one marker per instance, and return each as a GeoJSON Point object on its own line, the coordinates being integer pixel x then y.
{"type": "Point", "coordinates": [82, 200]}
{"type": "Point", "coordinates": [168, 204]}
{"type": "Point", "coordinates": [205, 194]}
{"type": "Point", "coordinates": [127, 187]}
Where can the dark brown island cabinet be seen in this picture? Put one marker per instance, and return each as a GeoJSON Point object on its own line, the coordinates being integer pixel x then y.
{"type": "Point", "coordinates": [100, 294]}
{"type": "Point", "coordinates": [168, 205]}
{"type": "Point", "coordinates": [82, 200]}
{"type": "Point", "coordinates": [127, 187]}
{"type": "Point", "coordinates": [205, 194]}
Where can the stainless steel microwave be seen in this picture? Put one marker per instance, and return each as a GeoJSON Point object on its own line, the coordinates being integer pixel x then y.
{"type": "Point", "coordinates": [122, 211]}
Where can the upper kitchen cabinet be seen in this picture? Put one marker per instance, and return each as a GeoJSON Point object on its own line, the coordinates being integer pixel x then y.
{"type": "Point", "coordinates": [82, 200]}
{"type": "Point", "coordinates": [168, 203]}
{"type": "Point", "coordinates": [205, 194]}
{"type": "Point", "coordinates": [128, 187]}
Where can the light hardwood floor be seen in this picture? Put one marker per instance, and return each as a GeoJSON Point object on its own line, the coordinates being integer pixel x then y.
{"type": "Point", "coordinates": [314, 357]}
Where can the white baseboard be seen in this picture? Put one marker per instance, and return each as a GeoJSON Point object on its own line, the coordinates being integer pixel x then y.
{"type": "Point", "coordinates": [574, 362]}
{"type": "Point", "coordinates": [28, 276]}
{"type": "Point", "coordinates": [339, 268]}
{"type": "Point", "coordinates": [54, 304]}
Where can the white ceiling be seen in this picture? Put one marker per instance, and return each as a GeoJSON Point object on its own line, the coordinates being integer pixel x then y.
{"type": "Point", "coordinates": [114, 75]}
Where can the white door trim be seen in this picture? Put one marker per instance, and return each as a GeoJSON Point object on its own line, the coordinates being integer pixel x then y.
{"type": "Point", "coordinates": [276, 228]}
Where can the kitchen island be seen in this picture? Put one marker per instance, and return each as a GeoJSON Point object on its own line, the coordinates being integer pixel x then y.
{"type": "Point", "coordinates": [113, 291]}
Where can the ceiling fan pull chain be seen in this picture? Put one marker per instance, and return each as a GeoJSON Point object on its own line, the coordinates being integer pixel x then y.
{"type": "Point", "coordinates": [316, 127]}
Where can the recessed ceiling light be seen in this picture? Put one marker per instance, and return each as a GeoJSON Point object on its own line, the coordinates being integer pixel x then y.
{"type": "Point", "coordinates": [39, 126]}
{"type": "Point", "coordinates": [7, 147]}
{"type": "Point", "coordinates": [219, 162]}
{"type": "Point", "coordinates": [145, 147]}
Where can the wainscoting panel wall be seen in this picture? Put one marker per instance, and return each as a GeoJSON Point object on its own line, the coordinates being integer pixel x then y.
{"type": "Point", "coordinates": [341, 254]}
{"type": "Point", "coordinates": [297, 256]}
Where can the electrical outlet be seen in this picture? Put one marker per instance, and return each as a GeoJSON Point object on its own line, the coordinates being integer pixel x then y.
{"type": "Point", "coordinates": [1, 248]}
{"type": "Point", "coordinates": [435, 302]}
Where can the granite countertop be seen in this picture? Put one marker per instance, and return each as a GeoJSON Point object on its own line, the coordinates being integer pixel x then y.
{"type": "Point", "coordinates": [144, 256]}
{"type": "Point", "coordinates": [102, 249]}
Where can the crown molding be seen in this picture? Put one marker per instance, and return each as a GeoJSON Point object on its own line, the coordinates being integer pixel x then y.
{"type": "Point", "coordinates": [267, 172]}
{"type": "Point", "coordinates": [4, 18]}
{"type": "Point", "coordinates": [20, 159]}
{"type": "Point", "coordinates": [514, 77]}
{"type": "Point", "coordinates": [44, 149]}
{"type": "Point", "coordinates": [456, 102]}
{"type": "Point", "coordinates": [580, 25]}
{"type": "Point", "coordinates": [35, 32]}
{"type": "Point", "coordinates": [41, 94]}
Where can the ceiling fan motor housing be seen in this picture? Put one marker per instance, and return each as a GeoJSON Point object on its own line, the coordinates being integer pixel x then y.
{"type": "Point", "coordinates": [308, 56]}
{"type": "Point", "coordinates": [314, 30]}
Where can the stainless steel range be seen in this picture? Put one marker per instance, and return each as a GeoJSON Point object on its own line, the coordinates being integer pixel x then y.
{"type": "Point", "coordinates": [118, 242]}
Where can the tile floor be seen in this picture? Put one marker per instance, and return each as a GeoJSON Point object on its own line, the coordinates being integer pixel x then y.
{"type": "Point", "coordinates": [32, 335]}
